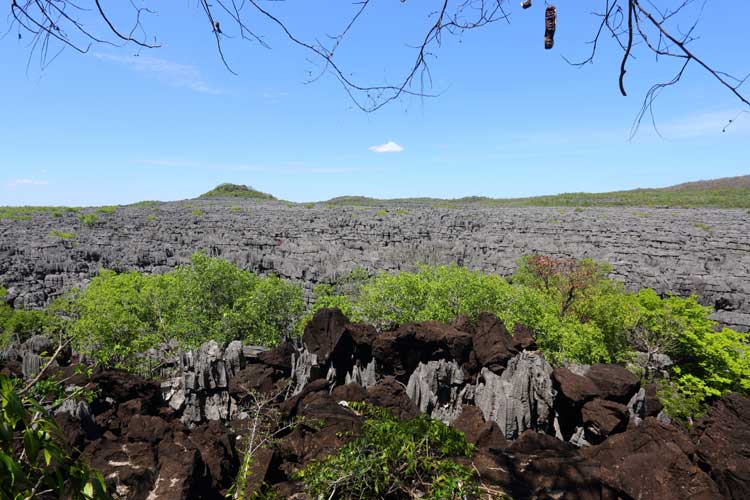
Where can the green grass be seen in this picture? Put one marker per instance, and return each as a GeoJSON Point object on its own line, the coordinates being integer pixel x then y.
{"type": "Point", "coordinates": [151, 218]}
{"type": "Point", "coordinates": [107, 210]}
{"type": "Point", "coordinates": [62, 234]}
{"type": "Point", "coordinates": [197, 212]}
{"type": "Point", "coordinates": [236, 191]}
{"type": "Point", "coordinates": [382, 212]}
{"type": "Point", "coordinates": [235, 210]}
{"type": "Point", "coordinates": [702, 226]}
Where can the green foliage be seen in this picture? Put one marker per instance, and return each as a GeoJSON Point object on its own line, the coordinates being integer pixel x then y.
{"type": "Point", "coordinates": [120, 316]}
{"type": "Point", "coordinates": [393, 459]}
{"type": "Point", "coordinates": [402, 211]}
{"type": "Point", "coordinates": [382, 212]}
{"type": "Point", "coordinates": [236, 191]}
{"type": "Point", "coordinates": [108, 210]}
{"type": "Point", "coordinates": [62, 234]}
{"type": "Point", "coordinates": [88, 220]}
{"type": "Point", "coordinates": [235, 210]}
{"type": "Point", "coordinates": [702, 226]}
{"type": "Point", "coordinates": [34, 455]}
{"type": "Point", "coordinates": [197, 212]}
{"type": "Point", "coordinates": [577, 312]}
{"type": "Point", "coordinates": [21, 324]}
{"type": "Point", "coordinates": [151, 218]}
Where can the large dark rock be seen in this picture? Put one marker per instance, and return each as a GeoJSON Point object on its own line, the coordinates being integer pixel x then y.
{"type": "Point", "coordinates": [399, 351]}
{"type": "Point", "coordinates": [722, 440]}
{"type": "Point", "coordinates": [601, 418]}
{"type": "Point", "coordinates": [479, 432]}
{"type": "Point", "coordinates": [323, 332]}
{"type": "Point", "coordinates": [492, 343]}
{"type": "Point", "coordinates": [613, 382]}
{"type": "Point", "coordinates": [652, 461]}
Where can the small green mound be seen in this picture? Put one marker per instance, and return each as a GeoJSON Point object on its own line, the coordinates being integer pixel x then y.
{"type": "Point", "coordinates": [227, 190]}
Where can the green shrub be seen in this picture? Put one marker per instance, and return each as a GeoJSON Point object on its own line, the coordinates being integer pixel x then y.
{"type": "Point", "coordinates": [382, 212]}
{"type": "Point", "coordinates": [62, 234]}
{"type": "Point", "coordinates": [120, 316]}
{"type": "Point", "coordinates": [89, 220]}
{"type": "Point", "coordinates": [21, 324]}
{"type": "Point", "coordinates": [393, 459]}
{"type": "Point", "coordinates": [197, 212]}
{"type": "Point", "coordinates": [107, 210]}
{"type": "Point", "coordinates": [151, 218]}
{"type": "Point", "coordinates": [402, 211]}
{"type": "Point", "coordinates": [34, 455]}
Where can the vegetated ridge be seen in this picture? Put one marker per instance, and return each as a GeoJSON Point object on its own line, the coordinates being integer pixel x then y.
{"type": "Point", "coordinates": [228, 190]}
{"type": "Point", "coordinates": [727, 192]}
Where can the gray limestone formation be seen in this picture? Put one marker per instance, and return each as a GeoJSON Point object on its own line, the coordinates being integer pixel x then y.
{"type": "Point", "coordinates": [685, 251]}
{"type": "Point", "coordinates": [520, 398]}
{"type": "Point", "coordinates": [437, 388]}
{"type": "Point", "coordinates": [197, 382]}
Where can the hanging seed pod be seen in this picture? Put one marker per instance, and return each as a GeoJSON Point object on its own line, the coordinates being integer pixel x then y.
{"type": "Point", "coordinates": [526, 4]}
{"type": "Point", "coordinates": [550, 24]}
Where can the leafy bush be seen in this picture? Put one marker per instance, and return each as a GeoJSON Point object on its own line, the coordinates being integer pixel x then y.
{"type": "Point", "coordinates": [107, 209]}
{"type": "Point", "coordinates": [62, 234]}
{"type": "Point", "coordinates": [20, 324]}
{"type": "Point", "coordinates": [394, 459]}
{"type": "Point", "coordinates": [122, 315]}
{"type": "Point", "coordinates": [89, 220]}
{"type": "Point", "coordinates": [34, 455]}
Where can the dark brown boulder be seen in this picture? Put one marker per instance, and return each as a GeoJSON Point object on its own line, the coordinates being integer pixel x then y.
{"type": "Point", "coordinates": [146, 428]}
{"type": "Point", "coordinates": [652, 403]}
{"type": "Point", "coordinates": [399, 351]}
{"type": "Point", "coordinates": [258, 377]}
{"type": "Point", "coordinates": [390, 393]}
{"type": "Point", "coordinates": [722, 440]}
{"type": "Point", "coordinates": [280, 357]}
{"type": "Point", "coordinates": [216, 444]}
{"type": "Point", "coordinates": [477, 431]}
{"type": "Point", "coordinates": [523, 338]}
{"type": "Point", "coordinates": [323, 332]}
{"type": "Point", "coordinates": [492, 343]}
{"type": "Point", "coordinates": [181, 470]}
{"type": "Point", "coordinates": [575, 388]}
{"type": "Point", "coordinates": [602, 418]}
{"type": "Point", "coordinates": [349, 392]}
{"type": "Point", "coordinates": [652, 461]}
{"type": "Point", "coordinates": [614, 382]}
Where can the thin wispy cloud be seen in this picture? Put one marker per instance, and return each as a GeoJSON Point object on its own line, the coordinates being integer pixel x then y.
{"type": "Point", "coordinates": [706, 124]}
{"type": "Point", "coordinates": [168, 72]}
{"type": "Point", "coordinates": [388, 147]}
{"type": "Point", "coordinates": [26, 182]}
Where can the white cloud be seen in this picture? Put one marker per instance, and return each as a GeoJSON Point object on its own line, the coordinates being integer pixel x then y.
{"type": "Point", "coordinates": [169, 72]}
{"type": "Point", "coordinates": [388, 147]}
{"type": "Point", "coordinates": [26, 182]}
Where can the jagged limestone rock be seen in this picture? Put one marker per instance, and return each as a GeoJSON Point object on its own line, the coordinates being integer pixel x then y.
{"type": "Point", "coordinates": [436, 387]}
{"type": "Point", "coordinates": [664, 251]}
{"type": "Point", "coordinates": [302, 367]}
{"type": "Point", "coordinates": [520, 398]}
{"type": "Point", "coordinates": [365, 377]}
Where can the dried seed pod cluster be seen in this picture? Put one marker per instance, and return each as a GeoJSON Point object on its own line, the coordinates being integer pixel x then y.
{"type": "Point", "coordinates": [550, 24]}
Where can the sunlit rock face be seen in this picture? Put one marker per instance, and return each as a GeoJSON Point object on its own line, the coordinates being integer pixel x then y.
{"type": "Point", "coordinates": [700, 251]}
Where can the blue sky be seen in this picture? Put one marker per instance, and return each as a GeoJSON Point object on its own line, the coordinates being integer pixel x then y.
{"type": "Point", "coordinates": [511, 119]}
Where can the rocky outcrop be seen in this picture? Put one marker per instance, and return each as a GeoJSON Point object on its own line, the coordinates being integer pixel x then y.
{"type": "Point", "coordinates": [665, 249]}
{"type": "Point", "coordinates": [582, 432]}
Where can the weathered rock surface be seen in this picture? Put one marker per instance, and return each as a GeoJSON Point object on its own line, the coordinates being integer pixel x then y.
{"type": "Point", "coordinates": [664, 249]}
{"type": "Point", "coordinates": [539, 433]}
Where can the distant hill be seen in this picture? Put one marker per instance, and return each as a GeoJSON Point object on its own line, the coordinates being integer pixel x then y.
{"type": "Point", "coordinates": [227, 190]}
{"type": "Point", "coordinates": [728, 192]}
